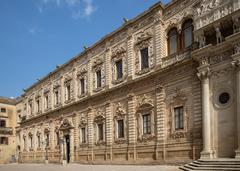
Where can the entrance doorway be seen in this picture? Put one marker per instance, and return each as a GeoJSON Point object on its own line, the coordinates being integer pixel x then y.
{"type": "Point", "coordinates": [67, 140]}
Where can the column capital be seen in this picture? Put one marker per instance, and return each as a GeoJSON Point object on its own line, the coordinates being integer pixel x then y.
{"type": "Point", "coordinates": [204, 73]}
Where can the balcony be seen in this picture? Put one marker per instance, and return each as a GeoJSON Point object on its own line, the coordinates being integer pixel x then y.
{"type": "Point", "coordinates": [174, 58]}
{"type": "Point", "coordinates": [6, 130]}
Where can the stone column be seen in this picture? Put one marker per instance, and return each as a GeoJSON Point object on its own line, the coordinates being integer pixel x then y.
{"type": "Point", "coordinates": [236, 64]}
{"type": "Point", "coordinates": [72, 159]}
{"type": "Point", "coordinates": [160, 122]}
{"type": "Point", "coordinates": [109, 128]}
{"type": "Point", "coordinates": [204, 74]}
{"type": "Point", "coordinates": [131, 128]}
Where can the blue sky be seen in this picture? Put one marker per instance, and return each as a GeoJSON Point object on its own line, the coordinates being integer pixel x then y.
{"type": "Point", "coordinates": [37, 35]}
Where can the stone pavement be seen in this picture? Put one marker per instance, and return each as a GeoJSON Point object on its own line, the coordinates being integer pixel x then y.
{"type": "Point", "coordinates": [79, 167]}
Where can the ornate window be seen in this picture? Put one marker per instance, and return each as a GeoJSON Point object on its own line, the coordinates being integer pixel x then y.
{"type": "Point", "coordinates": [146, 123]}
{"type": "Point", "coordinates": [2, 123]}
{"type": "Point", "coordinates": [99, 79]}
{"type": "Point", "coordinates": [178, 119]}
{"type": "Point", "coordinates": [145, 118]}
{"type": "Point", "coordinates": [173, 41]}
{"type": "Point", "coordinates": [119, 64]}
{"type": "Point", "coordinates": [82, 81]}
{"type": "Point", "coordinates": [187, 33]}
{"type": "Point", "coordinates": [68, 89]}
{"type": "Point", "coordinates": [119, 69]}
{"type": "Point", "coordinates": [119, 124]}
{"type": "Point", "coordinates": [24, 143]}
{"type": "Point", "coordinates": [30, 107]}
{"type": "Point", "coordinates": [144, 52]}
{"type": "Point", "coordinates": [38, 102]}
{"type": "Point", "coordinates": [83, 130]}
{"type": "Point", "coordinates": [57, 93]}
{"type": "Point", "coordinates": [144, 58]}
{"type": "Point", "coordinates": [46, 100]}
{"type": "Point", "coordinates": [98, 74]}
{"type": "Point", "coordinates": [100, 127]}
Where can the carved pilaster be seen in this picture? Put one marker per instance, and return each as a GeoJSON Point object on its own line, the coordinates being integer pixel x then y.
{"type": "Point", "coordinates": [109, 128]}
{"type": "Point", "coordinates": [90, 133]}
{"type": "Point", "coordinates": [131, 127]}
{"type": "Point", "coordinates": [161, 120]}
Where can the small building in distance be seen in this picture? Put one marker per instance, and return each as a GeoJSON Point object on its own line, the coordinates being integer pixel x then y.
{"type": "Point", "coordinates": [7, 130]}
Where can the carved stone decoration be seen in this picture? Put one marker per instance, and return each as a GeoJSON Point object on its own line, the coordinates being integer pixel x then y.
{"type": "Point", "coordinates": [178, 99]}
{"type": "Point", "coordinates": [99, 115]}
{"type": "Point", "coordinates": [119, 53]}
{"type": "Point", "coordinates": [209, 11]}
{"type": "Point", "coordinates": [145, 106]}
{"type": "Point", "coordinates": [143, 40]}
{"type": "Point", "coordinates": [237, 48]}
{"type": "Point", "coordinates": [83, 120]}
{"type": "Point", "coordinates": [66, 125]}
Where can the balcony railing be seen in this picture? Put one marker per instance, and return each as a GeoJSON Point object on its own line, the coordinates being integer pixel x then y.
{"type": "Point", "coordinates": [6, 130]}
{"type": "Point", "coordinates": [171, 59]}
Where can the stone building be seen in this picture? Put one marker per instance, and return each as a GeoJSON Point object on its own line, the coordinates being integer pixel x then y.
{"type": "Point", "coordinates": [162, 88]}
{"type": "Point", "coordinates": [7, 130]}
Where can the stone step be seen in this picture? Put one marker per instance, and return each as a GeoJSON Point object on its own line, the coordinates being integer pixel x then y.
{"type": "Point", "coordinates": [218, 163]}
{"type": "Point", "coordinates": [212, 165]}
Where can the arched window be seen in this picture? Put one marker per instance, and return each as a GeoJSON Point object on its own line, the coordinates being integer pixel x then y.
{"type": "Point", "coordinates": [172, 41]}
{"type": "Point", "coordinates": [187, 33]}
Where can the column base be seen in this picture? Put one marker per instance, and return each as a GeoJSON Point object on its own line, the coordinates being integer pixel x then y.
{"type": "Point", "coordinates": [207, 155]}
{"type": "Point", "coordinates": [64, 162]}
{"type": "Point", "coordinates": [46, 161]}
{"type": "Point", "coordinates": [237, 154]}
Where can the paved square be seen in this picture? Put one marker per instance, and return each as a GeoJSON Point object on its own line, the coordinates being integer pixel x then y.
{"type": "Point", "coordinates": [79, 167]}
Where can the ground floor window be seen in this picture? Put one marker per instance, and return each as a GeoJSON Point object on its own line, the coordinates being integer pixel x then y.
{"type": "Point", "coordinates": [178, 115]}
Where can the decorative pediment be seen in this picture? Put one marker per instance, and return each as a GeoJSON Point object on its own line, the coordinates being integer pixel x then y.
{"type": "Point", "coordinates": [144, 102]}
{"type": "Point", "coordinates": [82, 70]}
{"type": "Point", "coordinates": [178, 96]}
{"type": "Point", "coordinates": [119, 109]}
{"type": "Point", "coordinates": [100, 115]}
{"type": "Point", "coordinates": [83, 122]}
{"type": "Point", "coordinates": [67, 79]}
{"type": "Point", "coordinates": [119, 51]}
{"type": "Point", "coordinates": [46, 90]}
{"type": "Point", "coordinates": [143, 36]}
{"type": "Point", "coordinates": [56, 84]}
{"type": "Point", "coordinates": [98, 61]}
{"type": "Point", "coordinates": [66, 125]}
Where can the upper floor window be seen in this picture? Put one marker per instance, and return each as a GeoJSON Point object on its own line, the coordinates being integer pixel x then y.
{"type": "Point", "coordinates": [82, 85]}
{"type": "Point", "coordinates": [172, 41]}
{"type": "Point", "coordinates": [68, 92]}
{"type": "Point", "coordinates": [38, 105]}
{"type": "Point", "coordinates": [2, 123]}
{"type": "Point", "coordinates": [119, 69]}
{"type": "Point", "coordinates": [120, 127]}
{"type": "Point", "coordinates": [178, 116]}
{"type": "Point", "coordinates": [56, 96]}
{"type": "Point", "coordinates": [144, 58]}
{"type": "Point", "coordinates": [3, 110]}
{"type": "Point", "coordinates": [187, 33]}
{"type": "Point", "coordinates": [98, 78]}
{"type": "Point", "coordinates": [30, 108]}
{"type": "Point", "coordinates": [46, 102]}
{"type": "Point", "coordinates": [146, 123]}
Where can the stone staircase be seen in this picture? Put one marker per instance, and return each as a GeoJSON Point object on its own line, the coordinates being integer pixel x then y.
{"type": "Point", "coordinates": [212, 165]}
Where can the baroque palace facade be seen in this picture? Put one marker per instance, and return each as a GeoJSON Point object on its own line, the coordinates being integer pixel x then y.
{"type": "Point", "coordinates": [164, 87]}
